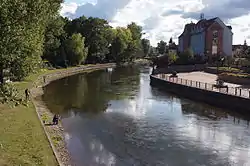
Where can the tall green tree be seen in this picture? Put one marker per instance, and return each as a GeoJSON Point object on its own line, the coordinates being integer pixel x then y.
{"type": "Point", "coordinates": [76, 51]}
{"type": "Point", "coordinates": [22, 27]}
{"type": "Point", "coordinates": [161, 47]}
{"type": "Point", "coordinates": [54, 38]}
{"type": "Point", "coordinates": [98, 36]}
{"type": "Point", "coordinates": [136, 32]}
{"type": "Point", "coordinates": [122, 41]}
{"type": "Point", "coordinates": [145, 46]}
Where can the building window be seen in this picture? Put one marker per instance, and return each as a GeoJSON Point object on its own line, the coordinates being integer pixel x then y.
{"type": "Point", "coordinates": [215, 34]}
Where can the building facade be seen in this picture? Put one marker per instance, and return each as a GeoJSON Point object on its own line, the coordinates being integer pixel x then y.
{"type": "Point", "coordinates": [207, 37]}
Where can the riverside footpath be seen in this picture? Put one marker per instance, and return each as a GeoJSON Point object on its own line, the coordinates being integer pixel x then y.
{"type": "Point", "coordinates": [55, 133]}
{"type": "Point", "coordinates": [233, 97]}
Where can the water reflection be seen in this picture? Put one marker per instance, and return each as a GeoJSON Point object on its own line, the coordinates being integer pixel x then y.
{"type": "Point", "coordinates": [116, 118]}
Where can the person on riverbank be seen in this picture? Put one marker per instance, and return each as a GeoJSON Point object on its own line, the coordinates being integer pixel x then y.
{"type": "Point", "coordinates": [44, 79]}
{"type": "Point", "coordinates": [27, 94]}
{"type": "Point", "coordinates": [55, 119]}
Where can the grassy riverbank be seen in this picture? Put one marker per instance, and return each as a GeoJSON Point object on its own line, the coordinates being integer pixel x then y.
{"type": "Point", "coordinates": [22, 139]}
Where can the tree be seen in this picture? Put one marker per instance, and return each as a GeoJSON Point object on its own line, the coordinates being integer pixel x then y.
{"type": "Point", "coordinates": [98, 36]}
{"type": "Point", "coordinates": [145, 46]}
{"type": "Point", "coordinates": [76, 51]}
{"type": "Point", "coordinates": [172, 58]}
{"type": "Point", "coordinates": [170, 41]}
{"type": "Point", "coordinates": [161, 47]}
{"type": "Point", "coordinates": [186, 56]}
{"type": "Point", "coordinates": [22, 27]}
{"type": "Point", "coordinates": [122, 41]}
{"type": "Point", "coordinates": [136, 32]}
{"type": "Point", "coordinates": [152, 52]}
{"type": "Point", "coordinates": [54, 37]}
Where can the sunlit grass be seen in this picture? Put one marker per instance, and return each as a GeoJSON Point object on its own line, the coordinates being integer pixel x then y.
{"type": "Point", "coordinates": [22, 139]}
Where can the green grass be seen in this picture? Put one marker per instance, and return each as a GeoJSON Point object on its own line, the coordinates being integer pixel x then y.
{"type": "Point", "coordinates": [22, 139]}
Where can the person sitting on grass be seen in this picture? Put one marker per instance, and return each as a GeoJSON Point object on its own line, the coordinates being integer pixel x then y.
{"type": "Point", "coordinates": [55, 119]}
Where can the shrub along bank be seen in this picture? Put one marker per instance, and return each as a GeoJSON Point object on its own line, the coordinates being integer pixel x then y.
{"type": "Point", "coordinates": [242, 79]}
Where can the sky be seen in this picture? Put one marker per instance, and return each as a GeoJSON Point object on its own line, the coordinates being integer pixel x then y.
{"type": "Point", "coordinates": [162, 19]}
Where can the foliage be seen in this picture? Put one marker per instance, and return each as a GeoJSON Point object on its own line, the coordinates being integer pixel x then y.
{"type": "Point", "coordinates": [172, 58]}
{"type": "Point", "coordinates": [186, 56]}
{"type": "Point", "coordinates": [153, 52]}
{"type": "Point", "coordinates": [53, 45]}
{"type": "Point", "coordinates": [136, 32]}
{"type": "Point", "coordinates": [161, 47]}
{"type": "Point", "coordinates": [170, 41]}
{"type": "Point", "coordinates": [76, 52]}
{"type": "Point", "coordinates": [32, 32]}
{"type": "Point", "coordinates": [120, 45]}
{"type": "Point", "coordinates": [8, 93]}
{"type": "Point", "coordinates": [235, 75]}
{"type": "Point", "coordinates": [22, 27]}
{"type": "Point", "coordinates": [227, 69]}
{"type": "Point", "coordinates": [145, 46]}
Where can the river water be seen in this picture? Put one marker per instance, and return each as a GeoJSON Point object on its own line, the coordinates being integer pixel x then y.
{"type": "Point", "coordinates": [115, 118]}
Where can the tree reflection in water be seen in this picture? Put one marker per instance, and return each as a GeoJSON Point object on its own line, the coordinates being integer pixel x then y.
{"type": "Point", "coordinates": [91, 92]}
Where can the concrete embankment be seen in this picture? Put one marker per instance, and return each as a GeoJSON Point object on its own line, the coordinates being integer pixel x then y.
{"type": "Point", "coordinates": [55, 134]}
{"type": "Point", "coordinates": [232, 102]}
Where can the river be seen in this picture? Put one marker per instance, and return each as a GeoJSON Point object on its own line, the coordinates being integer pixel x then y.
{"type": "Point", "coordinates": [115, 118]}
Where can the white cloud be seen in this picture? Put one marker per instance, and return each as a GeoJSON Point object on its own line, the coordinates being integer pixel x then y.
{"type": "Point", "coordinates": [68, 8]}
{"type": "Point", "coordinates": [162, 19]}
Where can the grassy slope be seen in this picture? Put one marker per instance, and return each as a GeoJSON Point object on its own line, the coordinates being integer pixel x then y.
{"type": "Point", "coordinates": [22, 139]}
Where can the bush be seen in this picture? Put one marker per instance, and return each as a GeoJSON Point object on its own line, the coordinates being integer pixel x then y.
{"type": "Point", "coordinates": [227, 69]}
{"type": "Point", "coordinates": [172, 58]}
{"type": "Point", "coordinates": [243, 75]}
{"type": "Point", "coordinates": [186, 57]}
{"type": "Point", "coordinates": [8, 93]}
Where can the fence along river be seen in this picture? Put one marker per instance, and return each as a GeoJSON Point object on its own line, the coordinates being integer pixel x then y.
{"type": "Point", "coordinates": [235, 91]}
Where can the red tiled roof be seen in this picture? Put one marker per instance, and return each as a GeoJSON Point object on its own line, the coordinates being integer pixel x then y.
{"type": "Point", "coordinates": [205, 23]}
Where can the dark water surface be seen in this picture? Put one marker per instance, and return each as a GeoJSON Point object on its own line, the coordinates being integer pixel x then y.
{"type": "Point", "coordinates": [116, 118]}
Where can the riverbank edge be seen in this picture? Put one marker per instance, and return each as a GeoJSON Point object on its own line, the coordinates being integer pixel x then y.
{"type": "Point", "coordinates": [55, 134]}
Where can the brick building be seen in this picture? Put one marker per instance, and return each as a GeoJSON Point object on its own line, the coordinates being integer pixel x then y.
{"type": "Point", "coordinates": [207, 37]}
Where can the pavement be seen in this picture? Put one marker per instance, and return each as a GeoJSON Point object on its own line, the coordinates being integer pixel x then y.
{"type": "Point", "coordinates": [204, 77]}
{"type": "Point", "coordinates": [210, 79]}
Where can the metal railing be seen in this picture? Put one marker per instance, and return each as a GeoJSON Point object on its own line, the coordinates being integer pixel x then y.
{"type": "Point", "coordinates": [235, 91]}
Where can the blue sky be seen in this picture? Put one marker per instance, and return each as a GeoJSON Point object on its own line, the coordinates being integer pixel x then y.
{"type": "Point", "coordinates": [162, 19]}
